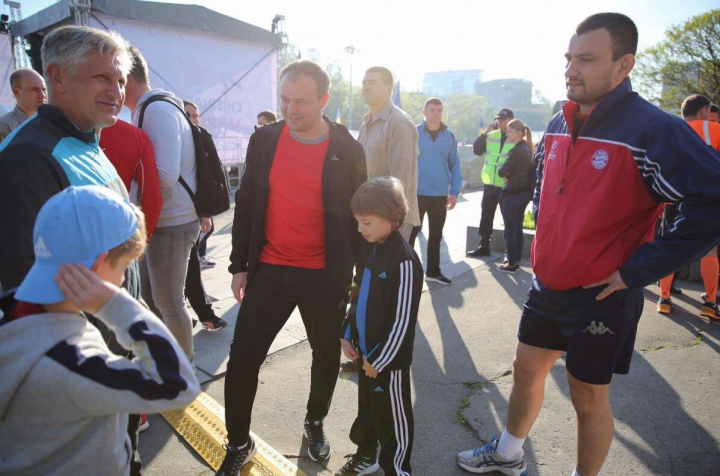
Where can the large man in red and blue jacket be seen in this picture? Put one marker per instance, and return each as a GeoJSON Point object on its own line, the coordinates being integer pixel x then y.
{"type": "Point", "coordinates": [606, 164]}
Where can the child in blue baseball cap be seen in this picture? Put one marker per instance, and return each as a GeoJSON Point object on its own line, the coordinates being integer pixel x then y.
{"type": "Point", "coordinates": [64, 397]}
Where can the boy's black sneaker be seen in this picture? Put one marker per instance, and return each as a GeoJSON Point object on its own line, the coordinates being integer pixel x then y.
{"type": "Point", "coordinates": [214, 324]}
{"type": "Point", "coordinates": [318, 445]}
{"type": "Point", "coordinates": [236, 458]}
{"type": "Point", "coordinates": [358, 465]}
{"type": "Point", "coordinates": [440, 279]}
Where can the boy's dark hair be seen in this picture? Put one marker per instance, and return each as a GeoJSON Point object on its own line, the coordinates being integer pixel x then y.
{"type": "Point", "coordinates": [268, 115]}
{"type": "Point", "coordinates": [308, 68]}
{"type": "Point", "coordinates": [430, 101]}
{"type": "Point", "coordinates": [133, 246]}
{"type": "Point", "coordinates": [190, 103]}
{"type": "Point", "coordinates": [692, 105]}
{"type": "Point", "coordinates": [383, 197]}
{"type": "Point", "coordinates": [622, 29]}
{"type": "Point", "coordinates": [385, 74]}
{"type": "Point", "coordinates": [714, 108]}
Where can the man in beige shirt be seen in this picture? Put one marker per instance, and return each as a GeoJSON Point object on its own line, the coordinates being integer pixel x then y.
{"type": "Point", "coordinates": [390, 139]}
{"type": "Point", "coordinates": [30, 92]}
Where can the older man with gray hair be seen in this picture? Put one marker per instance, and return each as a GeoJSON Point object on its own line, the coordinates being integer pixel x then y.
{"type": "Point", "coordinates": [85, 70]}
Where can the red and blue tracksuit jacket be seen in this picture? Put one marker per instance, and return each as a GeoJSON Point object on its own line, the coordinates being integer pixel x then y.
{"type": "Point", "coordinates": [597, 199]}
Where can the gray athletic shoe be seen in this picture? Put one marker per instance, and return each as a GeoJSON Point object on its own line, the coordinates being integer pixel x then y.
{"type": "Point", "coordinates": [486, 459]}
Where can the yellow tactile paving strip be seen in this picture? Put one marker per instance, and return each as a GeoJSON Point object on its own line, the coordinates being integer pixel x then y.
{"type": "Point", "coordinates": [202, 425]}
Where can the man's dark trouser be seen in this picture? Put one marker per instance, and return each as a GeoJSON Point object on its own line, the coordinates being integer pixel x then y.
{"type": "Point", "coordinates": [490, 200]}
{"type": "Point", "coordinates": [436, 209]}
{"type": "Point", "coordinates": [385, 415]}
{"type": "Point", "coordinates": [194, 289]}
{"type": "Point", "coordinates": [135, 462]}
{"type": "Point", "coordinates": [272, 294]}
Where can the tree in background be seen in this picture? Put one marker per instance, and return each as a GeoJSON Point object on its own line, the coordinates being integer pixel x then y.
{"type": "Point", "coordinates": [686, 62]}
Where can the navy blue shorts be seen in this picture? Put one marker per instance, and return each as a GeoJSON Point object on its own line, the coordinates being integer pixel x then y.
{"type": "Point", "coordinates": [598, 336]}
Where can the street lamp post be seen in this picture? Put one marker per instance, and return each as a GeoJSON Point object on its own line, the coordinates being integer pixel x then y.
{"type": "Point", "coordinates": [352, 50]}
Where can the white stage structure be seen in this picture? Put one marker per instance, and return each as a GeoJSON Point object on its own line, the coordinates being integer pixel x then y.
{"type": "Point", "coordinates": [226, 66]}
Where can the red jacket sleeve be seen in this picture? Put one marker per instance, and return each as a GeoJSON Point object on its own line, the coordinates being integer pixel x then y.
{"type": "Point", "coordinates": [148, 184]}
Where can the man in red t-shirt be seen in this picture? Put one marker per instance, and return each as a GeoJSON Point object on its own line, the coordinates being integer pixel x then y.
{"type": "Point", "coordinates": [294, 244]}
{"type": "Point", "coordinates": [131, 153]}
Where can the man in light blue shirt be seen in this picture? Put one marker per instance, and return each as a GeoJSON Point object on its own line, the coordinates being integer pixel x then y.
{"type": "Point", "coordinates": [439, 182]}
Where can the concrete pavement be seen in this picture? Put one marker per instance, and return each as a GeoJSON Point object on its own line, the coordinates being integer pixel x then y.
{"type": "Point", "coordinates": [667, 409]}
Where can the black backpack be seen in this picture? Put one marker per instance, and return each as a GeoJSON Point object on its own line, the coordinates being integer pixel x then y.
{"type": "Point", "coordinates": [212, 196]}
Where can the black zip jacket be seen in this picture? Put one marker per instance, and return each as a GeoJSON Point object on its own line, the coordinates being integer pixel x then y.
{"type": "Point", "coordinates": [344, 171]}
{"type": "Point", "coordinates": [392, 303]}
{"type": "Point", "coordinates": [519, 169]}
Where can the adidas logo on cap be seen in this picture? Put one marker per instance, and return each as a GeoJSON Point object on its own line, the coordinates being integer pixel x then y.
{"type": "Point", "coordinates": [41, 250]}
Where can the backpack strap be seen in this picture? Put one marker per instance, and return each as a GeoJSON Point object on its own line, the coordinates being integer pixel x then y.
{"type": "Point", "coordinates": [156, 98]}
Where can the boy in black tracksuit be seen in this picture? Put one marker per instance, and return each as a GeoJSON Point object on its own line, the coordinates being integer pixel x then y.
{"type": "Point", "coordinates": [380, 326]}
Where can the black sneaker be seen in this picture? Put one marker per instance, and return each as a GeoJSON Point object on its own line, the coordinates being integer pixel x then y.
{"type": "Point", "coordinates": [214, 324]}
{"type": "Point", "coordinates": [236, 458]}
{"type": "Point", "coordinates": [318, 445]}
{"type": "Point", "coordinates": [358, 465]}
{"type": "Point", "coordinates": [440, 279]}
{"type": "Point", "coordinates": [479, 252]}
{"type": "Point", "coordinates": [675, 289]}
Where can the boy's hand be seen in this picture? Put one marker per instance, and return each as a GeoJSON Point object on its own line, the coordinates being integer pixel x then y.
{"type": "Point", "coordinates": [349, 350]}
{"type": "Point", "coordinates": [84, 288]}
{"type": "Point", "coordinates": [369, 370]}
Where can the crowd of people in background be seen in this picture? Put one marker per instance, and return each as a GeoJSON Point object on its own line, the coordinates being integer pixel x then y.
{"type": "Point", "coordinates": [107, 245]}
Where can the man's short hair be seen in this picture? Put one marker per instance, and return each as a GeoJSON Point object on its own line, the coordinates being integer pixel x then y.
{"type": "Point", "coordinates": [268, 115]}
{"type": "Point", "coordinates": [69, 46]}
{"type": "Point", "coordinates": [622, 29]}
{"type": "Point", "coordinates": [714, 108]}
{"type": "Point", "coordinates": [17, 76]}
{"type": "Point", "coordinates": [385, 74]}
{"type": "Point", "coordinates": [139, 70]}
{"type": "Point", "coordinates": [692, 105]}
{"type": "Point", "coordinates": [190, 103]}
{"type": "Point", "coordinates": [383, 197]}
{"type": "Point", "coordinates": [435, 101]}
{"type": "Point", "coordinates": [308, 68]}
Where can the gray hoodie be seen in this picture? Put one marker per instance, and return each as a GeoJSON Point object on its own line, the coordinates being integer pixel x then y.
{"type": "Point", "coordinates": [65, 398]}
{"type": "Point", "coordinates": [171, 137]}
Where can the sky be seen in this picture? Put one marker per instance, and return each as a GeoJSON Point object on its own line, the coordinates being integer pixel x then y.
{"type": "Point", "coordinates": [524, 39]}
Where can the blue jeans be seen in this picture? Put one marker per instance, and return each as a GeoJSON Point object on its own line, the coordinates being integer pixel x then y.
{"type": "Point", "coordinates": [513, 211]}
{"type": "Point", "coordinates": [163, 270]}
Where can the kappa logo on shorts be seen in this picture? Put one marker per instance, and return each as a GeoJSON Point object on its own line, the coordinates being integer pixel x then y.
{"type": "Point", "coordinates": [551, 155]}
{"type": "Point", "coordinates": [597, 329]}
{"type": "Point", "coordinates": [379, 390]}
{"type": "Point", "coordinates": [600, 159]}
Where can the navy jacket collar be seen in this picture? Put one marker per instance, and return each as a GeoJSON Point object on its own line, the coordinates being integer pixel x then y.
{"type": "Point", "coordinates": [55, 115]}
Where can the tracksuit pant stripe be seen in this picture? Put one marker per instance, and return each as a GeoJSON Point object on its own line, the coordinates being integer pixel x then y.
{"type": "Point", "coordinates": [385, 415]}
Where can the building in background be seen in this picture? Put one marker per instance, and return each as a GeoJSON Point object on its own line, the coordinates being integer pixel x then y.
{"type": "Point", "coordinates": [511, 93]}
{"type": "Point", "coordinates": [446, 83]}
